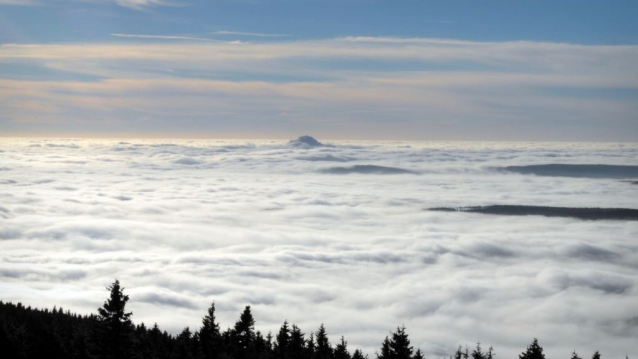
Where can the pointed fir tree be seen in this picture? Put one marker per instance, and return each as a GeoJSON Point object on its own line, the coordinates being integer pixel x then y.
{"type": "Point", "coordinates": [244, 334]}
{"type": "Point", "coordinates": [261, 347]}
{"type": "Point", "coordinates": [341, 350]}
{"type": "Point", "coordinates": [385, 352]}
{"type": "Point", "coordinates": [269, 342]}
{"type": "Point", "coordinates": [490, 354]}
{"type": "Point", "coordinates": [323, 350]}
{"type": "Point", "coordinates": [184, 344]}
{"type": "Point", "coordinates": [311, 346]}
{"type": "Point", "coordinates": [400, 344]}
{"type": "Point", "coordinates": [297, 344]}
{"type": "Point", "coordinates": [534, 351]}
{"type": "Point", "coordinates": [283, 338]}
{"type": "Point", "coordinates": [477, 353]}
{"type": "Point", "coordinates": [209, 335]}
{"type": "Point", "coordinates": [575, 356]}
{"type": "Point", "coordinates": [418, 355]}
{"type": "Point", "coordinates": [116, 324]}
{"type": "Point", "coordinates": [596, 355]}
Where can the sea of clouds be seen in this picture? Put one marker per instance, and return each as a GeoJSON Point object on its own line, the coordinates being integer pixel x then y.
{"type": "Point", "coordinates": [291, 230]}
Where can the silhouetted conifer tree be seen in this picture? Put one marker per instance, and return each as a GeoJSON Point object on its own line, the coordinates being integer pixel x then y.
{"type": "Point", "coordinates": [323, 350]}
{"type": "Point", "coordinates": [209, 335]}
{"type": "Point", "coordinates": [262, 347]}
{"type": "Point", "coordinates": [386, 352]}
{"type": "Point", "coordinates": [341, 350]}
{"type": "Point", "coordinates": [477, 353]}
{"type": "Point", "coordinates": [184, 344]}
{"type": "Point", "coordinates": [310, 346]}
{"type": "Point", "coordinates": [490, 354]}
{"type": "Point", "coordinates": [534, 351]}
{"type": "Point", "coordinates": [116, 324]}
{"type": "Point", "coordinates": [297, 344]}
{"type": "Point", "coordinates": [283, 337]}
{"type": "Point", "coordinates": [244, 335]}
{"type": "Point", "coordinates": [400, 345]}
{"type": "Point", "coordinates": [575, 356]}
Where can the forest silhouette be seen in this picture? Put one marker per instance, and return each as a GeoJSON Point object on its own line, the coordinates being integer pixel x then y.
{"type": "Point", "coordinates": [110, 334]}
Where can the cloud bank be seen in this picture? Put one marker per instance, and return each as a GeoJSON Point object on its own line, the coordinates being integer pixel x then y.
{"type": "Point", "coordinates": [184, 222]}
{"type": "Point", "coordinates": [343, 88]}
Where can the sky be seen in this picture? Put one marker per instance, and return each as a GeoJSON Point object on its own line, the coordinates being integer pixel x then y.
{"type": "Point", "coordinates": [353, 69]}
{"type": "Point", "coordinates": [271, 224]}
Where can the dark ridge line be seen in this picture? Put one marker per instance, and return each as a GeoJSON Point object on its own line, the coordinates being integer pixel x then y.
{"type": "Point", "coordinates": [575, 170]}
{"type": "Point", "coordinates": [367, 169]}
{"type": "Point", "coordinates": [584, 213]}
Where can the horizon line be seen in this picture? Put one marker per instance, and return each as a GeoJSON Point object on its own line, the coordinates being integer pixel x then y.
{"type": "Point", "coordinates": [320, 138]}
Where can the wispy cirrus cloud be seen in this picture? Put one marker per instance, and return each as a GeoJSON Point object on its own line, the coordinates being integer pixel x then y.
{"type": "Point", "coordinates": [16, 2]}
{"type": "Point", "coordinates": [140, 4]}
{"type": "Point", "coordinates": [132, 4]}
{"type": "Point", "coordinates": [256, 34]}
{"type": "Point", "coordinates": [164, 37]}
{"type": "Point", "coordinates": [477, 86]}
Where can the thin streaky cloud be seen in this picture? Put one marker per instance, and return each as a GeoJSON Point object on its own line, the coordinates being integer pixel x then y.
{"type": "Point", "coordinates": [140, 4]}
{"type": "Point", "coordinates": [16, 2]}
{"type": "Point", "coordinates": [257, 34]}
{"type": "Point", "coordinates": [131, 4]}
{"type": "Point", "coordinates": [165, 37]}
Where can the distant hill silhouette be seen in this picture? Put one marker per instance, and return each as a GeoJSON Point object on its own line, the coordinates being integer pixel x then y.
{"type": "Point", "coordinates": [520, 210]}
{"type": "Point", "coordinates": [567, 170]}
{"type": "Point", "coordinates": [306, 142]}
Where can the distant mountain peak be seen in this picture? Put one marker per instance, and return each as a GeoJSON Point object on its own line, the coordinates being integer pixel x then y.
{"type": "Point", "coordinates": [306, 141]}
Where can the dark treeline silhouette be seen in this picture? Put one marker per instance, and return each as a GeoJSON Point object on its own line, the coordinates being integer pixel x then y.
{"type": "Point", "coordinates": [573, 212]}
{"type": "Point", "coordinates": [33, 333]}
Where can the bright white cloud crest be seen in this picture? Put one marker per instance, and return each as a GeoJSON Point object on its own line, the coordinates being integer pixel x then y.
{"type": "Point", "coordinates": [183, 223]}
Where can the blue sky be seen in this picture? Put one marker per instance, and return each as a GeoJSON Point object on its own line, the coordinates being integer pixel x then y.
{"type": "Point", "coordinates": [480, 70]}
{"type": "Point", "coordinates": [573, 21]}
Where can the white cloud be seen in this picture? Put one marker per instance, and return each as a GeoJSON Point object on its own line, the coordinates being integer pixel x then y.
{"type": "Point", "coordinates": [241, 33]}
{"type": "Point", "coordinates": [140, 4]}
{"type": "Point", "coordinates": [185, 222]}
{"type": "Point", "coordinates": [163, 37]}
{"type": "Point", "coordinates": [16, 2]}
{"type": "Point", "coordinates": [456, 90]}
{"type": "Point", "coordinates": [132, 4]}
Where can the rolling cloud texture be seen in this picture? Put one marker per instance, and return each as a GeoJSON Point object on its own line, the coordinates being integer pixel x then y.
{"type": "Point", "coordinates": [269, 224]}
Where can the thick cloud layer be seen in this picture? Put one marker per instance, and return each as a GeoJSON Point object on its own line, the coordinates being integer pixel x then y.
{"type": "Point", "coordinates": [183, 223]}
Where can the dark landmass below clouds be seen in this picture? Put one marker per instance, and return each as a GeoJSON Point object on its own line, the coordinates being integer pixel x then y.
{"type": "Point", "coordinates": [306, 142]}
{"type": "Point", "coordinates": [576, 170]}
{"type": "Point", "coordinates": [519, 210]}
